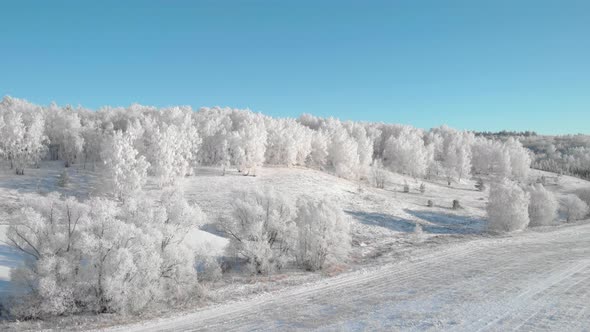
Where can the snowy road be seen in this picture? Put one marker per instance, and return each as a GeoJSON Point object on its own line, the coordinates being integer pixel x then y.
{"type": "Point", "coordinates": [533, 281]}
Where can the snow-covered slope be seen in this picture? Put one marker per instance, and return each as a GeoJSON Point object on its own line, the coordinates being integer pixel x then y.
{"type": "Point", "coordinates": [383, 221]}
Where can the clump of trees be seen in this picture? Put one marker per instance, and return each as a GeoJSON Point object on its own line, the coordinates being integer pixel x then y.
{"type": "Point", "coordinates": [267, 232]}
{"type": "Point", "coordinates": [101, 255]}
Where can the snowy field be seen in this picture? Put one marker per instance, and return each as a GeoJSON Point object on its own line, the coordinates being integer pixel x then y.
{"type": "Point", "coordinates": [451, 275]}
{"type": "Point", "coordinates": [537, 281]}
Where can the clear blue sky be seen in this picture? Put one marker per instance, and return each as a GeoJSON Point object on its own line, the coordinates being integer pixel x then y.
{"type": "Point", "coordinates": [473, 64]}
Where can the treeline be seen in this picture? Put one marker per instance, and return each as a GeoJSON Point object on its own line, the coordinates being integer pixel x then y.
{"type": "Point", "coordinates": [506, 133]}
{"type": "Point", "coordinates": [568, 154]}
{"type": "Point", "coordinates": [170, 142]}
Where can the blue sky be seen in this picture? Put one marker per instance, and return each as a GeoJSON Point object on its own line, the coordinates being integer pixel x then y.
{"type": "Point", "coordinates": [483, 65]}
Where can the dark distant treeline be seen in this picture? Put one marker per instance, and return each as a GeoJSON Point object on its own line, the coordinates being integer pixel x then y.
{"type": "Point", "coordinates": [505, 133]}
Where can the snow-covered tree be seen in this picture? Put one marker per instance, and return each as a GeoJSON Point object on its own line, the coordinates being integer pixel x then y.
{"type": "Point", "coordinates": [318, 156]}
{"type": "Point", "coordinates": [543, 206]}
{"type": "Point", "coordinates": [323, 234]}
{"type": "Point", "coordinates": [490, 157]}
{"type": "Point", "coordinates": [93, 137]}
{"type": "Point", "coordinates": [574, 208]}
{"type": "Point", "coordinates": [247, 142]}
{"type": "Point", "coordinates": [22, 137]}
{"type": "Point", "coordinates": [584, 194]}
{"type": "Point", "coordinates": [343, 151]}
{"type": "Point", "coordinates": [214, 126]}
{"type": "Point", "coordinates": [406, 153]}
{"type": "Point", "coordinates": [364, 144]}
{"type": "Point", "coordinates": [261, 229]}
{"type": "Point", "coordinates": [100, 256]}
{"type": "Point", "coordinates": [64, 129]}
{"type": "Point", "coordinates": [507, 207]}
{"type": "Point", "coordinates": [289, 143]}
{"type": "Point", "coordinates": [453, 152]}
{"type": "Point", "coordinates": [520, 160]}
{"type": "Point", "coordinates": [124, 166]}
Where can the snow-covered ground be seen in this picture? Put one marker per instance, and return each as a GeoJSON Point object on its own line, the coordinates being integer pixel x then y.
{"type": "Point", "coordinates": [437, 279]}
{"type": "Point", "coordinates": [538, 280]}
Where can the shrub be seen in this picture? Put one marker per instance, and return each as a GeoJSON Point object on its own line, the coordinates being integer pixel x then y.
{"type": "Point", "coordinates": [379, 176]}
{"type": "Point", "coordinates": [422, 188]}
{"type": "Point", "coordinates": [542, 207]}
{"type": "Point", "coordinates": [261, 230]}
{"type": "Point", "coordinates": [430, 203]}
{"type": "Point", "coordinates": [406, 188]}
{"type": "Point", "coordinates": [102, 257]}
{"type": "Point", "coordinates": [209, 268]}
{"type": "Point", "coordinates": [507, 207]}
{"type": "Point", "coordinates": [574, 208]}
{"type": "Point", "coordinates": [456, 204]}
{"type": "Point", "coordinates": [323, 235]}
{"type": "Point", "coordinates": [584, 194]}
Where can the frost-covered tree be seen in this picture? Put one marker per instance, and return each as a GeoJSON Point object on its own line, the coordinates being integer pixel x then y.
{"type": "Point", "coordinates": [507, 207]}
{"type": "Point", "coordinates": [289, 143]}
{"type": "Point", "coordinates": [343, 151]}
{"type": "Point", "coordinates": [64, 129]}
{"type": "Point", "coordinates": [169, 150]}
{"type": "Point", "coordinates": [501, 159]}
{"type": "Point", "coordinates": [364, 144]}
{"type": "Point", "coordinates": [100, 256]}
{"type": "Point", "coordinates": [574, 208]}
{"type": "Point", "coordinates": [213, 126]}
{"type": "Point", "coordinates": [247, 142]}
{"type": "Point", "coordinates": [22, 137]}
{"type": "Point", "coordinates": [584, 194]}
{"type": "Point", "coordinates": [453, 151]}
{"type": "Point", "coordinates": [406, 153]}
{"type": "Point", "coordinates": [46, 231]}
{"type": "Point", "coordinates": [520, 160]}
{"type": "Point", "coordinates": [261, 229]}
{"type": "Point", "coordinates": [378, 175]}
{"type": "Point", "coordinates": [167, 222]}
{"type": "Point", "coordinates": [318, 156]}
{"type": "Point", "coordinates": [124, 166]}
{"type": "Point", "coordinates": [93, 136]}
{"type": "Point", "coordinates": [543, 206]}
{"type": "Point", "coordinates": [323, 234]}
{"type": "Point", "coordinates": [490, 157]}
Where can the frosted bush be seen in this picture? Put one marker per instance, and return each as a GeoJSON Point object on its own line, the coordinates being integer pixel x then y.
{"type": "Point", "coordinates": [323, 234]}
{"type": "Point", "coordinates": [100, 256]}
{"type": "Point", "coordinates": [574, 208]}
{"type": "Point", "coordinates": [507, 207]}
{"type": "Point", "coordinates": [260, 230]}
{"type": "Point", "coordinates": [542, 207]}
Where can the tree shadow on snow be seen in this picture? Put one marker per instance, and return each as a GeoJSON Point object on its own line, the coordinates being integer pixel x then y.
{"type": "Point", "coordinates": [81, 183]}
{"type": "Point", "coordinates": [11, 258]}
{"type": "Point", "coordinates": [439, 223]}
{"type": "Point", "coordinates": [383, 220]}
{"type": "Point", "coordinates": [444, 223]}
